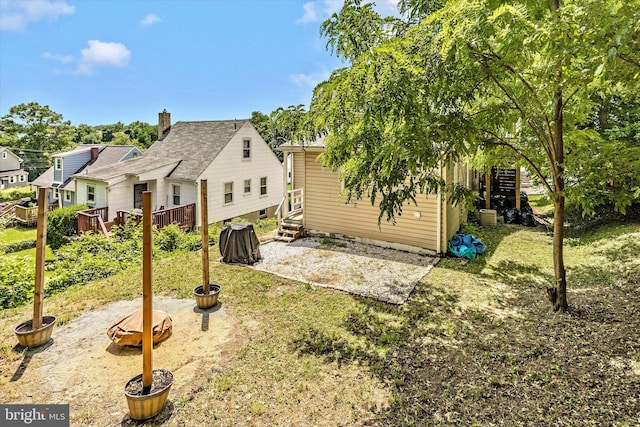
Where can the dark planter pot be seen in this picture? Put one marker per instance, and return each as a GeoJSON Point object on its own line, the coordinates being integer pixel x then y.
{"type": "Point", "coordinates": [205, 301]}
{"type": "Point", "coordinates": [31, 339]}
{"type": "Point", "coordinates": [147, 405]}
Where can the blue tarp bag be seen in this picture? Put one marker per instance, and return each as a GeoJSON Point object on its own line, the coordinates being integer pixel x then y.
{"type": "Point", "coordinates": [465, 246]}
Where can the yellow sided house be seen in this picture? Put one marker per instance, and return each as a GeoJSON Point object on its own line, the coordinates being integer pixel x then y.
{"type": "Point", "coordinates": [315, 205]}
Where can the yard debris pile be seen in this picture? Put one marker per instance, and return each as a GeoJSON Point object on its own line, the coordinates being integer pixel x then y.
{"type": "Point", "coordinates": [465, 246]}
{"type": "Point", "coordinates": [506, 206]}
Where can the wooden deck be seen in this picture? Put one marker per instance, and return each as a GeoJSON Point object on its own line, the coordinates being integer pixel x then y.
{"type": "Point", "coordinates": [95, 220]}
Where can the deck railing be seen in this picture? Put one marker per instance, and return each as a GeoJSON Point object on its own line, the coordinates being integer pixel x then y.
{"type": "Point", "coordinates": [29, 215]}
{"type": "Point", "coordinates": [296, 200]}
{"type": "Point", "coordinates": [93, 220]}
{"type": "Point", "coordinates": [183, 215]}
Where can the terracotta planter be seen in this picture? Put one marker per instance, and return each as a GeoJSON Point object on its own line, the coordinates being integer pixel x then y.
{"type": "Point", "coordinates": [31, 339]}
{"type": "Point", "coordinates": [146, 405]}
{"type": "Point", "coordinates": [205, 301]}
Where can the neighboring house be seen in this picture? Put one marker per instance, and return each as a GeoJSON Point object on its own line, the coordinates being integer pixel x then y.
{"type": "Point", "coordinates": [244, 177]}
{"type": "Point", "coordinates": [59, 178]}
{"type": "Point", "coordinates": [11, 173]}
{"type": "Point", "coordinates": [317, 202]}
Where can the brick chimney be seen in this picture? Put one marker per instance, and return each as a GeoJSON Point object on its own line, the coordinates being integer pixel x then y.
{"type": "Point", "coordinates": [164, 123]}
{"type": "Point", "coordinates": [94, 153]}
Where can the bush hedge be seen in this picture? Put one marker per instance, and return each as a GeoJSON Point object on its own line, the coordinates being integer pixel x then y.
{"type": "Point", "coordinates": [8, 248]}
{"type": "Point", "coordinates": [62, 224]}
{"type": "Point", "coordinates": [16, 281]}
{"type": "Point", "coordinates": [12, 194]}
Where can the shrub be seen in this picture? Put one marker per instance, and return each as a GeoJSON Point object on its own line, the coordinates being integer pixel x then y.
{"type": "Point", "coordinates": [172, 238]}
{"type": "Point", "coordinates": [214, 233]}
{"type": "Point", "coordinates": [17, 246]}
{"type": "Point", "coordinates": [12, 194]}
{"type": "Point", "coordinates": [16, 281]}
{"type": "Point", "coordinates": [91, 257]}
{"type": "Point", "coordinates": [62, 224]}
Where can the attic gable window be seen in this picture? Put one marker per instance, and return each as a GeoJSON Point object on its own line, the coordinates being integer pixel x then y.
{"type": "Point", "coordinates": [58, 163]}
{"type": "Point", "coordinates": [4, 154]}
{"type": "Point", "coordinates": [246, 148]}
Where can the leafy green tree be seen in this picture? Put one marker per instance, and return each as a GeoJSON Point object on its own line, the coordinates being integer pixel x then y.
{"type": "Point", "coordinates": [35, 127]}
{"type": "Point", "coordinates": [282, 125]}
{"type": "Point", "coordinates": [463, 76]}
{"type": "Point", "coordinates": [142, 134]}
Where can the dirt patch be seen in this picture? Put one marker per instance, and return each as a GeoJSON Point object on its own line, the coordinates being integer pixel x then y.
{"type": "Point", "coordinates": [66, 369]}
{"type": "Point", "coordinates": [384, 274]}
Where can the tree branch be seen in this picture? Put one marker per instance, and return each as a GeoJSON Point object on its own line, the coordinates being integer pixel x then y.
{"type": "Point", "coordinates": [504, 143]}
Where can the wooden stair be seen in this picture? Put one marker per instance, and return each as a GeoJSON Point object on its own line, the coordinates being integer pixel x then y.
{"type": "Point", "coordinates": [7, 214]}
{"type": "Point", "coordinates": [289, 231]}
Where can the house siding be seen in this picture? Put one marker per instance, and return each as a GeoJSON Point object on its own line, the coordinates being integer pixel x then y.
{"type": "Point", "coordinates": [12, 162]}
{"type": "Point", "coordinates": [100, 193]}
{"type": "Point", "coordinates": [326, 212]}
{"type": "Point", "coordinates": [229, 166]}
{"type": "Point", "coordinates": [70, 165]}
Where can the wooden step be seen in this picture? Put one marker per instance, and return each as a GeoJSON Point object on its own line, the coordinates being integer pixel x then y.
{"type": "Point", "coordinates": [294, 233]}
{"type": "Point", "coordinates": [284, 238]}
{"type": "Point", "coordinates": [288, 232]}
{"type": "Point", "coordinates": [290, 225]}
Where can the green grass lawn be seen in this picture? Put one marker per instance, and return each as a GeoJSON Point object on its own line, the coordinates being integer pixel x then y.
{"type": "Point", "coordinates": [476, 344]}
{"type": "Point", "coordinates": [17, 234]}
{"type": "Point", "coordinates": [31, 253]}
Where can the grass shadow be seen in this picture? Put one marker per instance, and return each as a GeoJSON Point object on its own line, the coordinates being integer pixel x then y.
{"type": "Point", "coordinates": [444, 364]}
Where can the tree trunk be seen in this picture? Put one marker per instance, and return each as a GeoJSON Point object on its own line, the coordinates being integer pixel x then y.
{"type": "Point", "coordinates": [557, 167]}
{"type": "Point", "coordinates": [560, 301]}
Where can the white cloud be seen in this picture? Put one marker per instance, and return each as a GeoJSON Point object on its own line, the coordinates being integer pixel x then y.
{"type": "Point", "coordinates": [15, 15]}
{"type": "Point", "coordinates": [60, 58]}
{"type": "Point", "coordinates": [310, 79]}
{"type": "Point", "coordinates": [99, 53]}
{"type": "Point", "coordinates": [319, 10]}
{"type": "Point", "coordinates": [150, 19]}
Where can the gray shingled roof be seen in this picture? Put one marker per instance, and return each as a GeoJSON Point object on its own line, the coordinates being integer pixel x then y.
{"type": "Point", "coordinates": [191, 146]}
{"type": "Point", "coordinates": [133, 166]}
{"type": "Point", "coordinates": [197, 144]}
{"type": "Point", "coordinates": [316, 143]}
{"type": "Point", "coordinates": [107, 157]}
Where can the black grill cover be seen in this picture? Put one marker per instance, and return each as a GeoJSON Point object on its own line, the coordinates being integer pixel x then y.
{"type": "Point", "coordinates": [239, 244]}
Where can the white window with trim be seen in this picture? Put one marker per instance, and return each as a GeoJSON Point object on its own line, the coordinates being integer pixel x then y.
{"type": "Point", "coordinates": [247, 186]}
{"type": "Point", "coordinates": [176, 194]}
{"type": "Point", "coordinates": [228, 193]}
{"type": "Point", "coordinates": [58, 163]}
{"type": "Point", "coordinates": [4, 154]}
{"type": "Point", "coordinates": [22, 178]}
{"type": "Point", "coordinates": [12, 179]}
{"type": "Point", "coordinates": [67, 196]}
{"type": "Point", "coordinates": [246, 149]}
{"type": "Point", "coordinates": [262, 213]}
{"type": "Point", "coordinates": [263, 186]}
{"type": "Point", "coordinates": [91, 195]}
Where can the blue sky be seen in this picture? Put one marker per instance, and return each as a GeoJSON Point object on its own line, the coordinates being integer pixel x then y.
{"type": "Point", "coordinates": [104, 61]}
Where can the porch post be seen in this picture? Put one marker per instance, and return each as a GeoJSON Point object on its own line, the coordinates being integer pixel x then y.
{"type": "Point", "coordinates": [285, 204]}
{"type": "Point", "coordinates": [518, 187]}
{"type": "Point", "coordinates": [487, 185]}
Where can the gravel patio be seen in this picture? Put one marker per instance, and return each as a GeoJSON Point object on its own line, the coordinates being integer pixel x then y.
{"type": "Point", "coordinates": [384, 274]}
